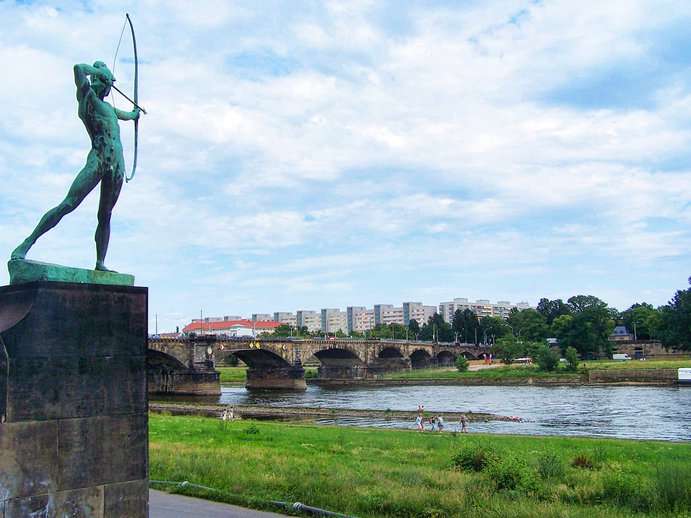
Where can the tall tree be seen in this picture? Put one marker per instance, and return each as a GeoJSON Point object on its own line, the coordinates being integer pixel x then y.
{"type": "Point", "coordinates": [414, 327]}
{"type": "Point", "coordinates": [551, 309]}
{"type": "Point", "coordinates": [580, 303]}
{"type": "Point", "coordinates": [643, 319]}
{"type": "Point", "coordinates": [471, 327]}
{"type": "Point", "coordinates": [493, 328]}
{"type": "Point", "coordinates": [588, 328]}
{"type": "Point", "coordinates": [676, 320]}
{"type": "Point", "coordinates": [528, 324]}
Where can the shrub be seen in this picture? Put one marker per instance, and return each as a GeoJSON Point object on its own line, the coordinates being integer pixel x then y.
{"type": "Point", "coordinates": [583, 461]}
{"type": "Point", "coordinates": [508, 349]}
{"type": "Point", "coordinates": [474, 457]}
{"type": "Point", "coordinates": [511, 473]}
{"type": "Point", "coordinates": [571, 355]}
{"type": "Point", "coordinates": [672, 484]}
{"type": "Point", "coordinates": [550, 466]}
{"type": "Point", "coordinates": [547, 359]}
{"type": "Point", "coordinates": [461, 363]}
{"type": "Point", "coordinates": [627, 491]}
{"type": "Point", "coordinates": [251, 430]}
{"type": "Point", "coordinates": [232, 360]}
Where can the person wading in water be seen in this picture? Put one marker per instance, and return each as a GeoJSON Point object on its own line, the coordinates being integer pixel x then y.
{"type": "Point", "coordinates": [105, 163]}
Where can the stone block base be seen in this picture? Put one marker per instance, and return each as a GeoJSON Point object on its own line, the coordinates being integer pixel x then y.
{"type": "Point", "coordinates": [73, 408]}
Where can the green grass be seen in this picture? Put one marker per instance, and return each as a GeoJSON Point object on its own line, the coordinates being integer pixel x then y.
{"type": "Point", "coordinates": [232, 374]}
{"type": "Point", "coordinates": [381, 473]}
{"type": "Point", "coordinates": [504, 372]}
{"type": "Point", "coordinates": [237, 374]}
{"type": "Point", "coordinates": [527, 371]}
{"type": "Point", "coordinates": [635, 364]}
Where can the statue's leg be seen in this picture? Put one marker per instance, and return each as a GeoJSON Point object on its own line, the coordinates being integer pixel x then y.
{"type": "Point", "coordinates": [110, 191]}
{"type": "Point", "coordinates": [84, 183]}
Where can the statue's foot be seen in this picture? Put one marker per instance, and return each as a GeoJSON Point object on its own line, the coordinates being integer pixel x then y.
{"type": "Point", "coordinates": [20, 252]}
{"type": "Point", "coordinates": [102, 268]}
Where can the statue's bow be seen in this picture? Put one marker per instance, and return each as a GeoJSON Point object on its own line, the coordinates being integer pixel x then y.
{"type": "Point", "coordinates": [136, 99]}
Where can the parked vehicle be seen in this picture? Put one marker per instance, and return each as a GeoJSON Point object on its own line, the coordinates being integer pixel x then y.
{"type": "Point", "coordinates": [620, 356]}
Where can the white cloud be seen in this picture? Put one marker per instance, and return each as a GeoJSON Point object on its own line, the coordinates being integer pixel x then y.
{"type": "Point", "coordinates": [440, 135]}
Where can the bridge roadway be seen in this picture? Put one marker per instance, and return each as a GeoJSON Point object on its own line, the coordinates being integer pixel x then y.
{"type": "Point", "coordinates": [277, 363]}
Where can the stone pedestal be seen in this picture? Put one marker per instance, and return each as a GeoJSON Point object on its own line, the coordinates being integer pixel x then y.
{"type": "Point", "coordinates": [73, 407]}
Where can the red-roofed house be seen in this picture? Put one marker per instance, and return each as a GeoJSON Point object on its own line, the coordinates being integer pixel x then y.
{"type": "Point", "coordinates": [242, 327]}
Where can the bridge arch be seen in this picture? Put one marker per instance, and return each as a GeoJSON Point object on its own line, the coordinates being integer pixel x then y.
{"type": "Point", "coordinates": [338, 363]}
{"type": "Point", "coordinates": [261, 358]}
{"type": "Point", "coordinates": [161, 371]}
{"type": "Point", "coordinates": [337, 356]}
{"type": "Point", "coordinates": [163, 361]}
{"type": "Point", "coordinates": [445, 358]}
{"type": "Point", "coordinates": [420, 358]}
{"type": "Point", "coordinates": [390, 352]}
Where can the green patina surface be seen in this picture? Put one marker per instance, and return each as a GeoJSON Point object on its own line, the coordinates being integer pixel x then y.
{"type": "Point", "coordinates": [22, 271]}
{"type": "Point", "coordinates": [105, 165]}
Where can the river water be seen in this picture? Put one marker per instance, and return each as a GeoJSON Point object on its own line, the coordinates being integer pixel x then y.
{"type": "Point", "coordinates": [613, 411]}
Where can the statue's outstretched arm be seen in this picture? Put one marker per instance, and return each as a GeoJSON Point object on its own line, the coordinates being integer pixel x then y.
{"type": "Point", "coordinates": [127, 116]}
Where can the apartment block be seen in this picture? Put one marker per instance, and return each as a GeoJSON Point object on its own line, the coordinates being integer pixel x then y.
{"type": "Point", "coordinates": [385, 314]}
{"type": "Point", "coordinates": [359, 319]}
{"type": "Point", "coordinates": [417, 311]}
{"type": "Point", "coordinates": [481, 307]}
{"type": "Point", "coordinates": [333, 320]}
{"type": "Point", "coordinates": [261, 317]}
{"type": "Point", "coordinates": [225, 318]}
{"type": "Point", "coordinates": [285, 317]}
{"type": "Point", "coordinates": [309, 319]}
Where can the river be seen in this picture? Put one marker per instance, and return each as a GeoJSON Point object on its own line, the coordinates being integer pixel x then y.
{"type": "Point", "coordinates": [608, 411]}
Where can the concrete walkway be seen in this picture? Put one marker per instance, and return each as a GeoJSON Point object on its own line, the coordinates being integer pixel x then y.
{"type": "Point", "coordinates": [165, 505]}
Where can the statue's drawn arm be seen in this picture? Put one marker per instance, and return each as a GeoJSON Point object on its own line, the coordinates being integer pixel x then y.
{"type": "Point", "coordinates": [127, 116]}
{"type": "Point", "coordinates": [80, 78]}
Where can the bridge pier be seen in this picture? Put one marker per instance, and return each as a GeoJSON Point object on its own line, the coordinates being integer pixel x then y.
{"type": "Point", "coordinates": [276, 378]}
{"type": "Point", "coordinates": [184, 382]}
{"type": "Point", "coordinates": [187, 371]}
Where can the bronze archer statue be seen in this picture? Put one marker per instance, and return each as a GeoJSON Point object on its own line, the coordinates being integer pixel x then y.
{"type": "Point", "coordinates": [105, 162]}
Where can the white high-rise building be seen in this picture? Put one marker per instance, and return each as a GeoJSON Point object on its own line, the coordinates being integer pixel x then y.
{"type": "Point", "coordinates": [309, 319]}
{"type": "Point", "coordinates": [359, 319]}
{"type": "Point", "coordinates": [285, 317]}
{"type": "Point", "coordinates": [333, 320]}
{"type": "Point", "coordinates": [390, 315]}
{"type": "Point", "coordinates": [481, 307]}
{"type": "Point", "coordinates": [418, 312]}
{"type": "Point", "coordinates": [261, 317]}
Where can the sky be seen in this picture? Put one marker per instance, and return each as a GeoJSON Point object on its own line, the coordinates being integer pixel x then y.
{"type": "Point", "coordinates": [304, 154]}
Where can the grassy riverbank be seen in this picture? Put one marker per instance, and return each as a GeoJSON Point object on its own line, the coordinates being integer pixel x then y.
{"type": "Point", "coordinates": [237, 374]}
{"type": "Point", "coordinates": [377, 473]}
{"type": "Point", "coordinates": [496, 373]}
{"type": "Point", "coordinates": [508, 372]}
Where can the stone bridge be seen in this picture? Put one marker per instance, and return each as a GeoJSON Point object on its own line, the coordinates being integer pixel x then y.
{"type": "Point", "coordinates": [181, 367]}
{"type": "Point", "coordinates": [277, 363]}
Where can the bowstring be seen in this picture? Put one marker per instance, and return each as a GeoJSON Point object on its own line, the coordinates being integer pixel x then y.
{"type": "Point", "coordinates": [115, 57]}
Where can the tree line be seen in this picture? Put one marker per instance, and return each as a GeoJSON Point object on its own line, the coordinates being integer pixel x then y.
{"type": "Point", "coordinates": [583, 322]}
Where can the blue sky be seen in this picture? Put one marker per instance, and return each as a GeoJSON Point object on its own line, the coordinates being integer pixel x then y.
{"type": "Point", "coordinates": [300, 155]}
